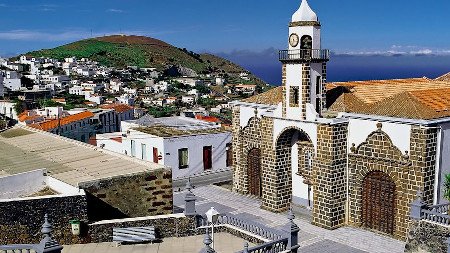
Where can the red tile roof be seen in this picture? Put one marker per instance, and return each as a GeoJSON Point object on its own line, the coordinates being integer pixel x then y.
{"type": "Point", "coordinates": [117, 107]}
{"type": "Point", "coordinates": [52, 124]}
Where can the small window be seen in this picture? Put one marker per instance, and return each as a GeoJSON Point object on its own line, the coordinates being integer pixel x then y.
{"type": "Point", "coordinates": [295, 96]}
{"type": "Point", "coordinates": [183, 158]}
{"type": "Point", "coordinates": [229, 161]}
{"type": "Point", "coordinates": [133, 148]}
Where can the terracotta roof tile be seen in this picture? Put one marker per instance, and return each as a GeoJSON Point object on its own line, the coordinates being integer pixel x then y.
{"type": "Point", "coordinates": [52, 124]}
{"type": "Point", "coordinates": [117, 107]}
{"type": "Point", "coordinates": [271, 97]}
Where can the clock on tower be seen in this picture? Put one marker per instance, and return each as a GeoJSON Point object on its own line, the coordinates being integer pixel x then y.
{"type": "Point", "coordinates": [304, 67]}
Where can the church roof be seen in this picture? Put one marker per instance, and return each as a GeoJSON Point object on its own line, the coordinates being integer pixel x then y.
{"type": "Point", "coordinates": [304, 13]}
{"type": "Point", "coordinates": [271, 97]}
{"type": "Point", "coordinates": [374, 91]}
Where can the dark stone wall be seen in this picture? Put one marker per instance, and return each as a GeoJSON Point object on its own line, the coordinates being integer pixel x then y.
{"type": "Point", "coordinates": [164, 227]}
{"type": "Point", "coordinates": [427, 237]}
{"type": "Point", "coordinates": [127, 196]}
{"type": "Point", "coordinates": [21, 221]}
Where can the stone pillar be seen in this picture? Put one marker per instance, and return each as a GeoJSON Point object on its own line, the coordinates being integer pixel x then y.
{"type": "Point", "coordinates": [48, 244]}
{"type": "Point", "coordinates": [292, 230]}
{"type": "Point", "coordinates": [189, 201]}
{"type": "Point", "coordinates": [329, 176]}
{"type": "Point", "coordinates": [306, 87]}
{"type": "Point", "coordinates": [417, 206]}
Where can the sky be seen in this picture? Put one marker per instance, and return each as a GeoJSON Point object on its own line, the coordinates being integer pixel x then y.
{"type": "Point", "coordinates": [248, 30]}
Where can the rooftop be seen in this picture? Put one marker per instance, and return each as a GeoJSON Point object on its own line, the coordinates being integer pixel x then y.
{"type": "Point", "coordinates": [272, 97]}
{"type": "Point", "coordinates": [117, 107]}
{"type": "Point", "coordinates": [25, 149]}
{"type": "Point", "coordinates": [54, 123]}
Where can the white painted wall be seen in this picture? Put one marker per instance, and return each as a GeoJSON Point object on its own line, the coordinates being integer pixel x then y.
{"type": "Point", "coordinates": [309, 128]}
{"type": "Point", "coordinates": [359, 130]}
{"type": "Point", "coordinates": [443, 163]}
{"type": "Point", "coordinates": [22, 184]}
{"type": "Point", "coordinates": [312, 31]}
{"type": "Point", "coordinates": [293, 79]}
{"type": "Point", "coordinates": [168, 149]}
{"type": "Point", "coordinates": [248, 112]}
{"type": "Point", "coordinates": [299, 189]}
{"type": "Point", "coordinates": [195, 146]}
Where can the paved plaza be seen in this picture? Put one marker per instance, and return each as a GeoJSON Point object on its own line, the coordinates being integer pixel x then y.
{"type": "Point", "coordinates": [312, 239]}
{"type": "Point", "coordinates": [225, 243]}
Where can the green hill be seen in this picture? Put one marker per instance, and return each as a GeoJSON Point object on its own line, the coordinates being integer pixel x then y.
{"type": "Point", "coordinates": [120, 51]}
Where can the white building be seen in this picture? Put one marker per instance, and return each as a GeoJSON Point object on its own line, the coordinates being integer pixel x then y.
{"type": "Point", "coordinates": [186, 145]}
{"type": "Point", "coordinates": [126, 100]}
{"type": "Point", "coordinates": [188, 99]}
{"type": "Point", "coordinates": [7, 108]}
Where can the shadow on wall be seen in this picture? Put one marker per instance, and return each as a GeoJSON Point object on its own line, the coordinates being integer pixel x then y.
{"type": "Point", "coordinates": [100, 210]}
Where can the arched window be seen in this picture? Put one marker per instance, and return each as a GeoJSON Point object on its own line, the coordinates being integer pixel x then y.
{"type": "Point", "coordinates": [306, 42]}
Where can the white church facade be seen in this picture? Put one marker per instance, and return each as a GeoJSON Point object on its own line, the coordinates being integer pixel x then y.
{"type": "Point", "coordinates": [354, 153]}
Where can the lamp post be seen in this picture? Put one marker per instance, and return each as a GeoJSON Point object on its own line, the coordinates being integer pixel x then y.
{"type": "Point", "coordinates": [212, 215]}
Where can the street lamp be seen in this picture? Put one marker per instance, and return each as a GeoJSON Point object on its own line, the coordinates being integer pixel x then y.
{"type": "Point", "coordinates": [212, 215]}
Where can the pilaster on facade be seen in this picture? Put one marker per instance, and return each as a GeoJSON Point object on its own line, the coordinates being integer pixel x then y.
{"type": "Point", "coordinates": [306, 88]}
{"type": "Point", "coordinates": [330, 176]}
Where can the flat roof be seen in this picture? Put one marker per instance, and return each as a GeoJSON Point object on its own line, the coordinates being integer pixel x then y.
{"type": "Point", "coordinates": [178, 123]}
{"type": "Point", "coordinates": [25, 149]}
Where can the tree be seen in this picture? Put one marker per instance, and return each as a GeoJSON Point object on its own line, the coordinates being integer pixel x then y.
{"type": "Point", "coordinates": [447, 187]}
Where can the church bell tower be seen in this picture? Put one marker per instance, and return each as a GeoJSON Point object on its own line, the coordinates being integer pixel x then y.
{"type": "Point", "coordinates": [304, 67]}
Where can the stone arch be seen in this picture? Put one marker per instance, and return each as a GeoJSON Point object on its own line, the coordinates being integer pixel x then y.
{"type": "Point", "coordinates": [283, 148]}
{"type": "Point", "coordinates": [378, 154]}
{"type": "Point", "coordinates": [250, 138]}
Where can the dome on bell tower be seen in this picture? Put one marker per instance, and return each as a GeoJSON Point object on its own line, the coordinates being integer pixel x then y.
{"type": "Point", "coordinates": [304, 13]}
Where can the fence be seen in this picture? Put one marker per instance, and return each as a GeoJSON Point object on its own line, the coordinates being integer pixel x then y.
{"type": "Point", "coordinates": [47, 244]}
{"type": "Point", "coordinates": [304, 55]}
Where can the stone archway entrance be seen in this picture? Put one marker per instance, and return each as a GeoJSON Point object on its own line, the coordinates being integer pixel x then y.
{"type": "Point", "coordinates": [254, 172]}
{"type": "Point", "coordinates": [378, 202]}
{"type": "Point", "coordinates": [294, 162]}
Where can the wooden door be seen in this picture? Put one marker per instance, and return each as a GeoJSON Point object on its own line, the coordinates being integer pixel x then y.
{"type": "Point", "coordinates": [207, 158]}
{"type": "Point", "coordinates": [378, 202]}
{"type": "Point", "coordinates": [155, 155]}
{"type": "Point", "coordinates": [254, 172]}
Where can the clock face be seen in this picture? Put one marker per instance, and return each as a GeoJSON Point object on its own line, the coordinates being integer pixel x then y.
{"type": "Point", "coordinates": [293, 40]}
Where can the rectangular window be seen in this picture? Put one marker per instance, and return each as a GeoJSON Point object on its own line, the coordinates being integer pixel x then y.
{"type": "Point", "coordinates": [144, 152]}
{"type": "Point", "coordinates": [294, 97]}
{"type": "Point", "coordinates": [229, 162]}
{"type": "Point", "coordinates": [318, 95]}
{"type": "Point", "coordinates": [133, 148]}
{"type": "Point", "coordinates": [183, 158]}
{"type": "Point", "coordinates": [155, 155]}
{"type": "Point", "coordinates": [207, 157]}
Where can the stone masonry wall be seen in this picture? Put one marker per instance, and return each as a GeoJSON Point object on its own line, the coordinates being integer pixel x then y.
{"type": "Point", "coordinates": [21, 221]}
{"type": "Point", "coordinates": [306, 87]}
{"type": "Point", "coordinates": [329, 176]}
{"type": "Point", "coordinates": [136, 195]}
{"type": "Point", "coordinates": [410, 172]}
{"type": "Point", "coordinates": [170, 226]}
{"type": "Point", "coordinates": [425, 236]}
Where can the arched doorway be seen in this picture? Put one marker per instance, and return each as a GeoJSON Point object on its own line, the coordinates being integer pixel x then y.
{"type": "Point", "coordinates": [378, 202]}
{"type": "Point", "coordinates": [254, 172]}
{"type": "Point", "coordinates": [294, 163]}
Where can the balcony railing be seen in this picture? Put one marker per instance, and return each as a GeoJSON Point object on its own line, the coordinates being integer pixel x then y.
{"type": "Point", "coordinates": [307, 55]}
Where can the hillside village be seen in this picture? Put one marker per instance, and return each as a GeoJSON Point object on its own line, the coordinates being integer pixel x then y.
{"type": "Point", "coordinates": [101, 151]}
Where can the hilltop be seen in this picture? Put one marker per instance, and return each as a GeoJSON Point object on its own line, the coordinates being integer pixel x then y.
{"type": "Point", "coordinates": [120, 51]}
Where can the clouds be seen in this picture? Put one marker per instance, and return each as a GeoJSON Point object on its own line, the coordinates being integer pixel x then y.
{"type": "Point", "coordinates": [397, 51]}
{"type": "Point", "coordinates": [115, 10]}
